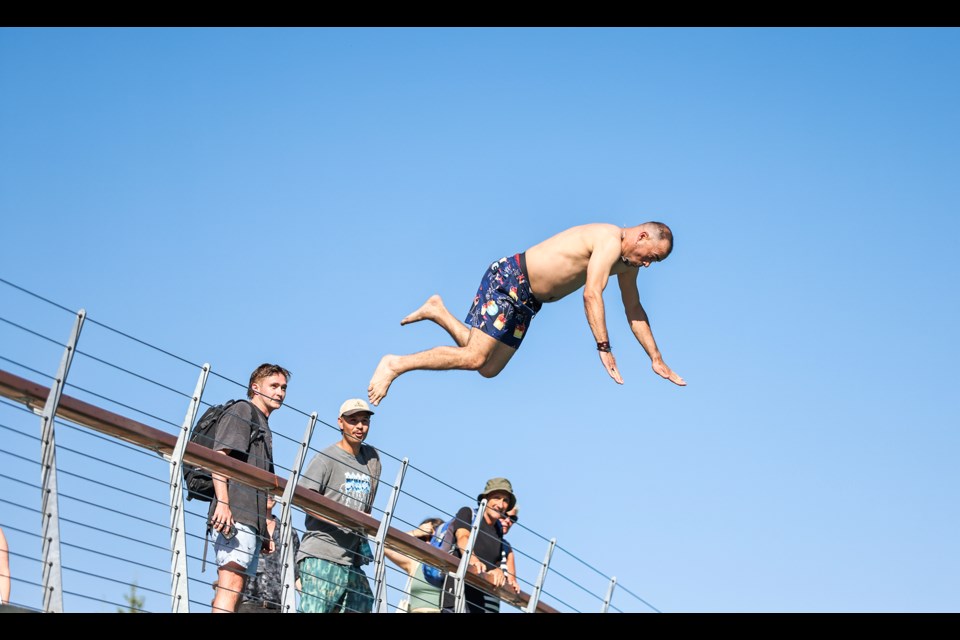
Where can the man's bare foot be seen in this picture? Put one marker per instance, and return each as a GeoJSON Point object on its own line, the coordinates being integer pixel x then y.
{"type": "Point", "coordinates": [382, 378]}
{"type": "Point", "coordinates": [427, 311]}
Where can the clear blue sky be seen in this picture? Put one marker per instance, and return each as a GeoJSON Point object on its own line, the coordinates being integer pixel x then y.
{"type": "Point", "coordinates": [248, 195]}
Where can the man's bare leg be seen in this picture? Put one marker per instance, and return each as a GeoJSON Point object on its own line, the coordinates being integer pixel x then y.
{"type": "Point", "coordinates": [434, 309]}
{"type": "Point", "coordinates": [229, 588]}
{"type": "Point", "coordinates": [472, 356]}
{"type": "Point", "coordinates": [497, 360]}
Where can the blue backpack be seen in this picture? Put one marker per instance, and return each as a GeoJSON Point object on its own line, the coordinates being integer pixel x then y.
{"type": "Point", "coordinates": [444, 539]}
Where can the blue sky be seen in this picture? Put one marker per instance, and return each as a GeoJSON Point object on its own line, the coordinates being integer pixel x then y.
{"type": "Point", "coordinates": [237, 196]}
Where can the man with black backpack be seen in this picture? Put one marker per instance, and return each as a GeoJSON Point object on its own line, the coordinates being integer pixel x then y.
{"type": "Point", "coordinates": [238, 513]}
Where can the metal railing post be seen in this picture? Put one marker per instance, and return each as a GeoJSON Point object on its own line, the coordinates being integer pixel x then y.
{"type": "Point", "coordinates": [179, 589]}
{"type": "Point", "coordinates": [460, 601]}
{"type": "Point", "coordinates": [49, 505]}
{"type": "Point", "coordinates": [288, 599]}
{"type": "Point", "coordinates": [379, 566]}
{"type": "Point", "coordinates": [606, 601]}
{"type": "Point", "coordinates": [538, 586]}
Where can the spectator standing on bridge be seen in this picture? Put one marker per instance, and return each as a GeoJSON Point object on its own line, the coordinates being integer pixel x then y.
{"type": "Point", "coordinates": [485, 559]}
{"type": "Point", "coordinates": [331, 557]}
{"type": "Point", "coordinates": [243, 432]}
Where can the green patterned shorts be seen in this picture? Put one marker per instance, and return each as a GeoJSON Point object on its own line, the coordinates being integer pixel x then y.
{"type": "Point", "coordinates": [333, 588]}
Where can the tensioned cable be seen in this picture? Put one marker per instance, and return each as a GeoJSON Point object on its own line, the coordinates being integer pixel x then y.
{"type": "Point", "coordinates": [114, 580]}
{"type": "Point", "coordinates": [114, 511]}
{"type": "Point", "coordinates": [31, 331]}
{"type": "Point", "coordinates": [130, 337]}
{"type": "Point", "coordinates": [8, 527]}
{"type": "Point", "coordinates": [98, 323]}
{"type": "Point", "coordinates": [104, 438]}
{"type": "Point", "coordinates": [638, 598]}
{"type": "Point", "coordinates": [89, 319]}
{"type": "Point", "coordinates": [17, 405]}
{"type": "Point", "coordinates": [18, 432]}
{"type": "Point", "coordinates": [64, 422]}
{"type": "Point", "coordinates": [17, 504]}
{"type": "Point", "coordinates": [584, 563]}
{"type": "Point", "coordinates": [554, 598]}
{"type": "Point", "coordinates": [110, 486]}
{"type": "Point", "coordinates": [39, 297]}
{"type": "Point", "coordinates": [31, 369]}
{"type": "Point", "coordinates": [120, 558]}
{"type": "Point", "coordinates": [25, 459]}
{"type": "Point", "coordinates": [574, 583]}
{"type": "Point", "coordinates": [125, 406]}
{"type": "Point", "coordinates": [136, 375]}
{"type": "Point", "coordinates": [146, 344]}
{"type": "Point", "coordinates": [163, 503]}
{"type": "Point", "coordinates": [114, 533]}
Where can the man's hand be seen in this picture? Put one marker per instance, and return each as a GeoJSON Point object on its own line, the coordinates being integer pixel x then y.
{"type": "Point", "coordinates": [610, 365]}
{"type": "Point", "coordinates": [495, 577]}
{"type": "Point", "coordinates": [222, 518]}
{"type": "Point", "coordinates": [661, 369]}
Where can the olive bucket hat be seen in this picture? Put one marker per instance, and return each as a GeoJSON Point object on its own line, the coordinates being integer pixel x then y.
{"type": "Point", "coordinates": [499, 484]}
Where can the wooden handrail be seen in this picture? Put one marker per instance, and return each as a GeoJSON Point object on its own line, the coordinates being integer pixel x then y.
{"type": "Point", "coordinates": [34, 396]}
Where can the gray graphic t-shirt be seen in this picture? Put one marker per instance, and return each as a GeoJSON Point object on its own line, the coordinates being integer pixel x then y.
{"type": "Point", "coordinates": [351, 481]}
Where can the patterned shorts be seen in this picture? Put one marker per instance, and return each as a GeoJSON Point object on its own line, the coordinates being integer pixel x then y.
{"type": "Point", "coordinates": [333, 588]}
{"type": "Point", "coordinates": [504, 305]}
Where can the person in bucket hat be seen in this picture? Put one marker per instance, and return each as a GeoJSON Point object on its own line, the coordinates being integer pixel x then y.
{"type": "Point", "coordinates": [485, 559]}
{"type": "Point", "coordinates": [499, 484]}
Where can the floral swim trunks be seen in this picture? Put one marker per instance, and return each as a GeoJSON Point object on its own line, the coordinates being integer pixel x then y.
{"type": "Point", "coordinates": [504, 305]}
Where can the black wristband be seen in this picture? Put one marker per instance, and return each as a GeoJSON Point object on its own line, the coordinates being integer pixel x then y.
{"type": "Point", "coordinates": [603, 346]}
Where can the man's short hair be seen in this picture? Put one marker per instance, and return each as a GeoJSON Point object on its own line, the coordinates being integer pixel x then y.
{"type": "Point", "coordinates": [661, 231]}
{"type": "Point", "coordinates": [265, 371]}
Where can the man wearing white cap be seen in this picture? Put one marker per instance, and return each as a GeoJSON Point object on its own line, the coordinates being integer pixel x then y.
{"type": "Point", "coordinates": [330, 556]}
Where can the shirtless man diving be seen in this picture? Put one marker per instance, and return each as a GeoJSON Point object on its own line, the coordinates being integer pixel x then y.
{"type": "Point", "coordinates": [514, 288]}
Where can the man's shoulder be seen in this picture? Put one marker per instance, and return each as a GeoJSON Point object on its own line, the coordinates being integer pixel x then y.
{"type": "Point", "coordinates": [239, 408]}
{"type": "Point", "coordinates": [236, 414]}
{"type": "Point", "coordinates": [593, 230]}
{"type": "Point", "coordinates": [323, 456]}
{"type": "Point", "coordinates": [464, 515]}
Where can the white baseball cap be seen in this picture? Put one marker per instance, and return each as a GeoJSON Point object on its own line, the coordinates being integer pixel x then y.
{"type": "Point", "coordinates": [354, 405]}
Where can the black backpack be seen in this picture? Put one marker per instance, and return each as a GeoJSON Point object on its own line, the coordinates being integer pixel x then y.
{"type": "Point", "coordinates": [197, 480]}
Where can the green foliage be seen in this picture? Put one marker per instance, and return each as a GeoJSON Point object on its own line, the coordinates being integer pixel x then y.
{"type": "Point", "coordinates": [134, 602]}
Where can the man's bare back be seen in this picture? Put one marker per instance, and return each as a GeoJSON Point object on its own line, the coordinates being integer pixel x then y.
{"type": "Point", "coordinates": [514, 287]}
{"type": "Point", "coordinates": [558, 266]}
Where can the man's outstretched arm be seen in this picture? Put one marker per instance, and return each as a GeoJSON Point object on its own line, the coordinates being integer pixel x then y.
{"type": "Point", "coordinates": [640, 325]}
{"type": "Point", "coordinates": [598, 273]}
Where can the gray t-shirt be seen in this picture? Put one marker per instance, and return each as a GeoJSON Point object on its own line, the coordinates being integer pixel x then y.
{"type": "Point", "coordinates": [245, 432]}
{"type": "Point", "coordinates": [351, 481]}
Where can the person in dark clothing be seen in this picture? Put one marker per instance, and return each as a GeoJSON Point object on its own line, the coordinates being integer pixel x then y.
{"type": "Point", "coordinates": [485, 559]}
{"type": "Point", "coordinates": [238, 513]}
